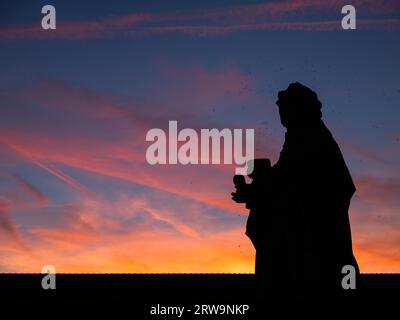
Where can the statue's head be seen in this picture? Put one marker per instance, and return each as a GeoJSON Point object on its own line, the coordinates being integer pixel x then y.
{"type": "Point", "coordinates": [298, 106]}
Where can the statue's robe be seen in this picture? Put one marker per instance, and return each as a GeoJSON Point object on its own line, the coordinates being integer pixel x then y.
{"type": "Point", "coordinates": [304, 227]}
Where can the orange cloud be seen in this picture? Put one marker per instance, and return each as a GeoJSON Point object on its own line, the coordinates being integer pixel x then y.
{"type": "Point", "coordinates": [154, 252]}
{"type": "Point", "coordinates": [377, 248]}
{"type": "Point", "coordinates": [91, 241]}
{"type": "Point", "coordinates": [376, 225]}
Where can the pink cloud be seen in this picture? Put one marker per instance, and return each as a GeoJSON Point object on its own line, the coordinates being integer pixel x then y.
{"type": "Point", "coordinates": [190, 92]}
{"type": "Point", "coordinates": [222, 20]}
{"type": "Point", "coordinates": [330, 25]}
{"type": "Point", "coordinates": [196, 84]}
{"type": "Point", "coordinates": [135, 169]}
{"type": "Point", "coordinates": [361, 151]}
{"type": "Point", "coordinates": [379, 191]}
{"type": "Point", "coordinates": [124, 157]}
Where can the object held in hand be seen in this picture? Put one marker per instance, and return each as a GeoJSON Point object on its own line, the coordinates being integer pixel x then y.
{"type": "Point", "coordinates": [240, 186]}
{"type": "Point", "coordinates": [257, 169]}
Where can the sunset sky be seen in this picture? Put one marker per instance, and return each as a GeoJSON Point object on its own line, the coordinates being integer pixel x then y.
{"type": "Point", "coordinates": [76, 191]}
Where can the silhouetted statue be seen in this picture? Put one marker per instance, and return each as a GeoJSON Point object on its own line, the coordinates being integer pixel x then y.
{"type": "Point", "coordinates": [298, 218]}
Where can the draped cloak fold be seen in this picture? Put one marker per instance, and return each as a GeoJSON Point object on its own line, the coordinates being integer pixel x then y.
{"type": "Point", "coordinates": [301, 222]}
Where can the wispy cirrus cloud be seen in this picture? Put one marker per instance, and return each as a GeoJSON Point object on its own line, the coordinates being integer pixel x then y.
{"type": "Point", "coordinates": [304, 15]}
{"type": "Point", "coordinates": [10, 237]}
{"type": "Point", "coordinates": [38, 195]}
{"type": "Point", "coordinates": [49, 168]}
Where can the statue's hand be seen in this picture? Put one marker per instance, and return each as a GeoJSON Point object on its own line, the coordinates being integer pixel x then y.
{"type": "Point", "coordinates": [237, 198]}
{"type": "Point", "coordinates": [241, 194]}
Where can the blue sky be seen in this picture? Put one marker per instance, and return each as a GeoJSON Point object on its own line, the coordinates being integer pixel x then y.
{"type": "Point", "coordinates": [75, 105]}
